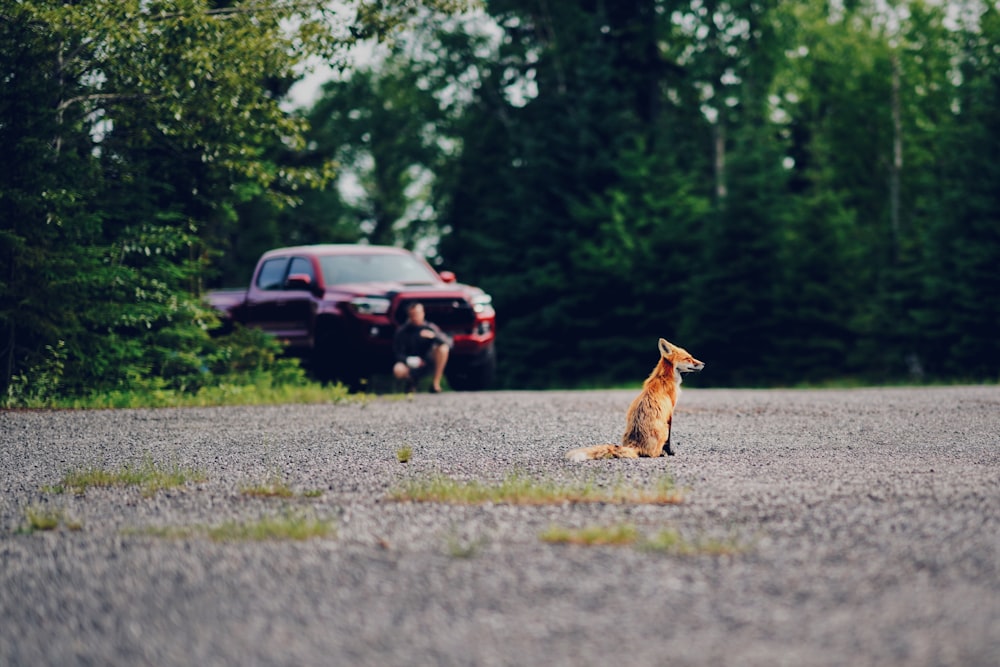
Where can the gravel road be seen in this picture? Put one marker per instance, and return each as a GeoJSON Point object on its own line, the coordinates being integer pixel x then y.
{"type": "Point", "coordinates": [862, 526]}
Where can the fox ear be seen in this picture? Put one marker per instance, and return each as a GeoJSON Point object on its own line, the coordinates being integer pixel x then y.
{"type": "Point", "coordinates": [664, 347]}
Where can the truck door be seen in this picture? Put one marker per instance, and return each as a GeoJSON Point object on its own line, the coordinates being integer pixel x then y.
{"type": "Point", "coordinates": [296, 308]}
{"type": "Point", "coordinates": [281, 300]}
{"type": "Point", "coordinates": [264, 299]}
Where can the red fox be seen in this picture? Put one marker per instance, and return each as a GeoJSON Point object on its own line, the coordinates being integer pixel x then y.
{"type": "Point", "coordinates": [647, 425]}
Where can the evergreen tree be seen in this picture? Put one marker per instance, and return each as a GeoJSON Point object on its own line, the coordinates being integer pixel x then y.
{"type": "Point", "coordinates": [135, 130]}
{"type": "Point", "coordinates": [960, 317]}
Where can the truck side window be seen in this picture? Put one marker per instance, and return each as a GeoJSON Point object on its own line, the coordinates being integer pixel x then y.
{"type": "Point", "coordinates": [272, 273]}
{"type": "Point", "coordinates": [301, 265]}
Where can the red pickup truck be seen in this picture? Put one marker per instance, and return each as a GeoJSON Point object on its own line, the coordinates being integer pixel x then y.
{"type": "Point", "coordinates": [338, 307]}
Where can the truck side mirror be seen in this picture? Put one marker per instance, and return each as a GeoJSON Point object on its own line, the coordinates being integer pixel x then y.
{"type": "Point", "coordinates": [298, 281]}
{"type": "Point", "coordinates": [447, 276]}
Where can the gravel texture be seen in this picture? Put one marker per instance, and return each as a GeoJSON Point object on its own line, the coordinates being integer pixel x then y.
{"type": "Point", "coordinates": [865, 526]}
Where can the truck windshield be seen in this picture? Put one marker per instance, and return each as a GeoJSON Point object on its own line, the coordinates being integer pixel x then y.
{"type": "Point", "coordinates": [375, 268]}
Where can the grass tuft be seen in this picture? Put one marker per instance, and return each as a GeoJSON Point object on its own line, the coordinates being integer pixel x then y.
{"type": "Point", "coordinates": [290, 526]}
{"type": "Point", "coordinates": [148, 475]}
{"type": "Point", "coordinates": [518, 489]}
{"type": "Point", "coordinates": [667, 541]}
{"type": "Point", "coordinates": [592, 535]}
{"type": "Point", "coordinates": [276, 488]}
{"type": "Point", "coordinates": [43, 519]}
{"type": "Point", "coordinates": [672, 542]}
{"type": "Point", "coordinates": [458, 548]}
{"type": "Point", "coordinates": [403, 454]}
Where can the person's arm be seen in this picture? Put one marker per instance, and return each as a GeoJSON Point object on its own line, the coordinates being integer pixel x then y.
{"type": "Point", "coordinates": [440, 336]}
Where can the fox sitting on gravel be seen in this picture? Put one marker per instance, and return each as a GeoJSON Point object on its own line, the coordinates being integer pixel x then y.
{"type": "Point", "coordinates": [647, 425]}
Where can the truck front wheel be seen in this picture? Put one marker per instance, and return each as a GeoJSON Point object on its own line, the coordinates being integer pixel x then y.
{"type": "Point", "coordinates": [331, 358]}
{"type": "Point", "coordinates": [473, 374]}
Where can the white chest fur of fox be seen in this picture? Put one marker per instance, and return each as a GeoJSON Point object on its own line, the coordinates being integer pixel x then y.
{"type": "Point", "coordinates": [650, 416]}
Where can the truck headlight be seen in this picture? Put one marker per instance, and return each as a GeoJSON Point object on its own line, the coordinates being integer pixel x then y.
{"type": "Point", "coordinates": [370, 305]}
{"type": "Point", "coordinates": [481, 302]}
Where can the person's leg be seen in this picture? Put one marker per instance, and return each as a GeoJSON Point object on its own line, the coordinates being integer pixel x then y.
{"type": "Point", "coordinates": [402, 372]}
{"type": "Point", "coordinates": [439, 358]}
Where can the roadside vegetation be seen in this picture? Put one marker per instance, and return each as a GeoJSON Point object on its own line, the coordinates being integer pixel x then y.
{"type": "Point", "coordinates": [38, 518]}
{"type": "Point", "coordinates": [149, 476]}
{"type": "Point", "coordinates": [291, 525]}
{"type": "Point", "coordinates": [668, 540]}
{"type": "Point", "coordinates": [519, 489]}
{"type": "Point", "coordinates": [276, 487]}
{"type": "Point", "coordinates": [246, 367]}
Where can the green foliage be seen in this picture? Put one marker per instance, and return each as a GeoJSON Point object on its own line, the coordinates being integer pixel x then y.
{"type": "Point", "coordinates": [276, 487]}
{"type": "Point", "coordinates": [802, 202]}
{"type": "Point", "coordinates": [667, 541]}
{"type": "Point", "coordinates": [41, 518]}
{"type": "Point", "coordinates": [622, 534]}
{"type": "Point", "coordinates": [291, 526]}
{"type": "Point", "coordinates": [150, 476]}
{"type": "Point", "coordinates": [794, 191]}
{"type": "Point", "coordinates": [139, 132]}
{"type": "Point", "coordinates": [519, 489]}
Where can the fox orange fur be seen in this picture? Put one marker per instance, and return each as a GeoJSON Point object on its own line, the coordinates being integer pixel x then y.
{"type": "Point", "coordinates": [649, 418]}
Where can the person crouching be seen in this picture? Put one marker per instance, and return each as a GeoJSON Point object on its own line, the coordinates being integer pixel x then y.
{"type": "Point", "coordinates": [420, 347]}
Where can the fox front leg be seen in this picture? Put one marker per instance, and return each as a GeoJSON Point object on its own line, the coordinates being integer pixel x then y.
{"type": "Point", "coordinates": [667, 451]}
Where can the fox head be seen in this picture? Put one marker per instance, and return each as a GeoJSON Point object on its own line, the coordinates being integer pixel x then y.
{"type": "Point", "coordinates": [679, 358]}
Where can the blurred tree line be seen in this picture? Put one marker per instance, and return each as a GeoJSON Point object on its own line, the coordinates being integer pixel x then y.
{"type": "Point", "coordinates": [794, 191]}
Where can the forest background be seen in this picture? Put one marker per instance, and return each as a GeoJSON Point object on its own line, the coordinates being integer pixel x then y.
{"type": "Point", "coordinates": [796, 191]}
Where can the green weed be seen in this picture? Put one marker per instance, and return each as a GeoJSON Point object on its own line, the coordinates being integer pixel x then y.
{"type": "Point", "coordinates": [276, 488]}
{"type": "Point", "coordinates": [459, 548]}
{"type": "Point", "coordinates": [592, 535]}
{"type": "Point", "coordinates": [42, 519]}
{"type": "Point", "coordinates": [149, 476]}
{"type": "Point", "coordinates": [672, 542]}
{"type": "Point", "coordinates": [264, 392]}
{"type": "Point", "coordinates": [290, 526]}
{"type": "Point", "coordinates": [667, 541]}
{"type": "Point", "coordinates": [518, 489]}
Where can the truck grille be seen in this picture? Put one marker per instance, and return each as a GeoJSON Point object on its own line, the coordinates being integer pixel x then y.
{"type": "Point", "coordinates": [452, 314]}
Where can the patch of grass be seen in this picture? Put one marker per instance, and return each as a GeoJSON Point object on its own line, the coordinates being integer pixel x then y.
{"type": "Point", "coordinates": [623, 534]}
{"type": "Point", "coordinates": [276, 488]}
{"type": "Point", "coordinates": [672, 542]}
{"type": "Point", "coordinates": [41, 519]}
{"type": "Point", "coordinates": [148, 475]}
{"type": "Point", "coordinates": [459, 548]}
{"type": "Point", "coordinates": [667, 541]}
{"type": "Point", "coordinates": [403, 454]}
{"type": "Point", "coordinates": [290, 526]}
{"type": "Point", "coordinates": [263, 392]}
{"type": "Point", "coordinates": [518, 489]}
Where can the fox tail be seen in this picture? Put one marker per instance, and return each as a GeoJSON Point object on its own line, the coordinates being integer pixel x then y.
{"type": "Point", "coordinates": [602, 452]}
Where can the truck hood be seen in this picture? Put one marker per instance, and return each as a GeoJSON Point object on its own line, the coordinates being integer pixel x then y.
{"type": "Point", "coordinates": [392, 289]}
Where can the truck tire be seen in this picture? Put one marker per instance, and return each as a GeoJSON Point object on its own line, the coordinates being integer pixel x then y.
{"type": "Point", "coordinates": [331, 359]}
{"type": "Point", "coordinates": [473, 375]}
